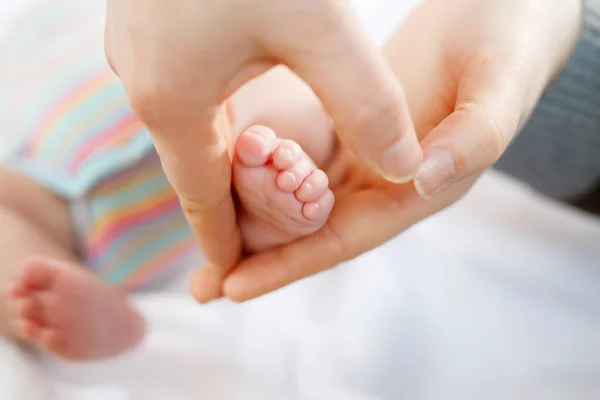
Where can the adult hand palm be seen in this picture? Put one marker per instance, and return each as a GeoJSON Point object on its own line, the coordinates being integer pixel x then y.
{"type": "Point", "coordinates": [477, 75]}
{"type": "Point", "coordinates": [180, 61]}
{"type": "Point", "coordinates": [472, 72]}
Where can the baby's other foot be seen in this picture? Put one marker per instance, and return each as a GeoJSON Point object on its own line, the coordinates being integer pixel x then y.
{"type": "Point", "coordinates": [71, 313]}
{"type": "Point", "coordinates": [283, 194]}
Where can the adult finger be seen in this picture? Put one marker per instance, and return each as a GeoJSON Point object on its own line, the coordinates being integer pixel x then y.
{"type": "Point", "coordinates": [360, 222]}
{"type": "Point", "coordinates": [206, 285]}
{"type": "Point", "coordinates": [192, 141]}
{"type": "Point", "coordinates": [197, 163]}
{"type": "Point", "coordinates": [494, 99]}
{"type": "Point", "coordinates": [357, 87]}
{"type": "Point", "coordinates": [180, 105]}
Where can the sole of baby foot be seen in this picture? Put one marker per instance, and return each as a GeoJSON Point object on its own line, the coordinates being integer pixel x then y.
{"type": "Point", "coordinates": [283, 195]}
{"type": "Point", "coordinates": [70, 313]}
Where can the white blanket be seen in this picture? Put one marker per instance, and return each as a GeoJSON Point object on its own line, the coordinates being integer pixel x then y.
{"type": "Point", "coordinates": [496, 298]}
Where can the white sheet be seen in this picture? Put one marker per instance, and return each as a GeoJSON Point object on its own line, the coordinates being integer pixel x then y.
{"type": "Point", "coordinates": [496, 298]}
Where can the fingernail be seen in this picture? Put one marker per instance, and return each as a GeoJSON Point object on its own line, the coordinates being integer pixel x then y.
{"type": "Point", "coordinates": [399, 163]}
{"type": "Point", "coordinates": [436, 173]}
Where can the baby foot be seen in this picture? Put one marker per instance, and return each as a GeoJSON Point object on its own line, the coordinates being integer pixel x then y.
{"type": "Point", "coordinates": [71, 313]}
{"type": "Point", "coordinates": [283, 194]}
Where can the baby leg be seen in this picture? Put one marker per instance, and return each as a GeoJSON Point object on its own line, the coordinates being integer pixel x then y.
{"type": "Point", "coordinates": [49, 299]}
{"type": "Point", "coordinates": [284, 103]}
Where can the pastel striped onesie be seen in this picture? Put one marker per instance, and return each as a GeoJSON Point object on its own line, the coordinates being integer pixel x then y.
{"type": "Point", "coordinates": [74, 132]}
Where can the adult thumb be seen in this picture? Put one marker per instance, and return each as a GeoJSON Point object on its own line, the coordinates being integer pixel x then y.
{"type": "Point", "coordinates": [334, 55]}
{"type": "Point", "coordinates": [491, 105]}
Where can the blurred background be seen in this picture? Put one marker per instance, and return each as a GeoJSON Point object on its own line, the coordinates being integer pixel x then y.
{"type": "Point", "coordinates": [497, 297]}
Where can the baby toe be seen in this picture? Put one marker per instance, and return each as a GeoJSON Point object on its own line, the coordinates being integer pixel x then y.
{"type": "Point", "coordinates": [52, 341]}
{"type": "Point", "coordinates": [320, 208]}
{"type": "Point", "coordinates": [313, 187]}
{"type": "Point", "coordinates": [254, 147]}
{"type": "Point", "coordinates": [27, 329]}
{"type": "Point", "coordinates": [290, 180]}
{"type": "Point", "coordinates": [37, 275]}
{"type": "Point", "coordinates": [287, 154]}
{"type": "Point", "coordinates": [29, 308]}
{"type": "Point", "coordinates": [17, 290]}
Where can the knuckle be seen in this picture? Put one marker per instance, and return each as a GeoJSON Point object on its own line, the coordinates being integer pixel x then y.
{"type": "Point", "coordinates": [491, 138]}
{"type": "Point", "coordinates": [341, 248]}
{"type": "Point", "coordinates": [193, 208]}
{"type": "Point", "coordinates": [197, 209]}
{"type": "Point", "coordinates": [147, 90]}
{"type": "Point", "coordinates": [492, 141]}
{"type": "Point", "coordinates": [145, 99]}
{"type": "Point", "coordinates": [380, 114]}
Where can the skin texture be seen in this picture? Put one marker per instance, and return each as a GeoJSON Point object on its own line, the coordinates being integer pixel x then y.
{"type": "Point", "coordinates": [48, 297]}
{"type": "Point", "coordinates": [473, 72]}
{"type": "Point", "coordinates": [55, 305]}
{"type": "Point", "coordinates": [28, 225]}
{"type": "Point", "coordinates": [281, 193]}
{"type": "Point", "coordinates": [179, 63]}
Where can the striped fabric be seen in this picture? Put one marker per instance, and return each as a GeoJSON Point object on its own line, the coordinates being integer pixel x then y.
{"type": "Point", "coordinates": [558, 151]}
{"type": "Point", "coordinates": [134, 229]}
{"type": "Point", "coordinates": [77, 135]}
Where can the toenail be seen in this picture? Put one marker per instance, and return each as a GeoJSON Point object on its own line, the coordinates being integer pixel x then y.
{"type": "Point", "coordinates": [257, 136]}
{"type": "Point", "coordinates": [289, 154]}
{"type": "Point", "coordinates": [311, 210]}
{"type": "Point", "coordinates": [287, 179]}
{"type": "Point", "coordinates": [262, 131]}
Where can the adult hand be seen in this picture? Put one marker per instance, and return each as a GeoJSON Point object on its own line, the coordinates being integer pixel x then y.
{"type": "Point", "coordinates": [180, 61]}
{"type": "Point", "coordinates": [473, 71]}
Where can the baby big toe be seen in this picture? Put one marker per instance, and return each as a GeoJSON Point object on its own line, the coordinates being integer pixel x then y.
{"type": "Point", "coordinates": [254, 147]}
{"type": "Point", "coordinates": [287, 154]}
